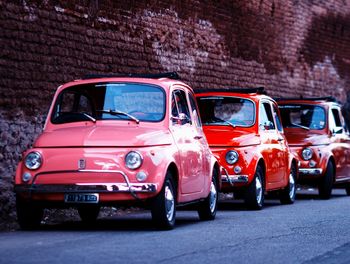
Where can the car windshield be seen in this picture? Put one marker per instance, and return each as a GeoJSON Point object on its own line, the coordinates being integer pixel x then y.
{"type": "Point", "coordinates": [226, 110]}
{"type": "Point", "coordinates": [110, 101]}
{"type": "Point", "coordinates": [303, 116]}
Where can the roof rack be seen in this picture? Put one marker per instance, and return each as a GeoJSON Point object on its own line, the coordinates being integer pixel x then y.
{"type": "Point", "coordinates": [326, 98]}
{"type": "Point", "coordinates": [170, 75]}
{"type": "Point", "coordinates": [258, 90]}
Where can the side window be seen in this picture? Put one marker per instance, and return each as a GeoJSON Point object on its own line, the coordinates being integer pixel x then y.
{"type": "Point", "coordinates": [335, 122]}
{"type": "Point", "coordinates": [277, 118]}
{"type": "Point", "coordinates": [194, 110]}
{"type": "Point", "coordinates": [179, 105]}
{"type": "Point", "coordinates": [265, 117]}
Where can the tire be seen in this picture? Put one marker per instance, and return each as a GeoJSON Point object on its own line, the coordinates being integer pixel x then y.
{"type": "Point", "coordinates": [347, 189]}
{"type": "Point", "coordinates": [88, 214]}
{"type": "Point", "coordinates": [255, 194]}
{"type": "Point", "coordinates": [29, 216]}
{"type": "Point", "coordinates": [287, 195]}
{"type": "Point", "coordinates": [164, 205]}
{"type": "Point", "coordinates": [326, 183]}
{"type": "Point", "coordinates": [207, 209]}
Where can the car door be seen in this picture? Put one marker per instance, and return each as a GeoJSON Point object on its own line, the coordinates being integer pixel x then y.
{"type": "Point", "coordinates": [340, 143]}
{"type": "Point", "coordinates": [273, 151]}
{"type": "Point", "coordinates": [182, 128]}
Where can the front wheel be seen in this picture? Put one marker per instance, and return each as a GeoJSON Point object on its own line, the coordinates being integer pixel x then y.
{"type": "Point", "coordinates": [326, 183]}
{"type": "Point", "coordinates": [207, 209]}
{"type": "Point", "coordinates": [255, 194]}
{"type": "Point", "coordinates": [287, 195]}
{"type": "Point", "coordinates": [164, 207]}
{"type": "Point", "coordinates": [29, 216]}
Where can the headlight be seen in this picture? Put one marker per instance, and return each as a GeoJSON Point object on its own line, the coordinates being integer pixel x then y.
{"type": "Point", "coordinates": [232, 157]}
{"type": "Point", "coordinates": [307, 153]}
{"type": "Point", "coordinates": [133, 160]}
{"type": "Point", "coordinates": [33, 160]}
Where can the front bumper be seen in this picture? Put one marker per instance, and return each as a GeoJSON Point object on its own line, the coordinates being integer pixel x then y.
{"type": "Point", "coordinates": [310, 172]}
{"type": "Point", "coordinates": [232, 179]}
{"type": "Point", "coordinates": [110, 187]}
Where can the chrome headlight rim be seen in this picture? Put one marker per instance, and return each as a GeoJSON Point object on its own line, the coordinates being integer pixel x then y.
{"type": "Point", "coordinates": [307, 153]}
{"type": "Point", "coordinates": [38, 161]}
{"type": "Point", "coordinates": [136, 163]}
{"type": "Point", "coordinates": [233, 154]}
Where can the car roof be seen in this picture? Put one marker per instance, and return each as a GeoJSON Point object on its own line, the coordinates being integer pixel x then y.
{"type": "Point", "coordinates": [165, 80]}
{"type": "Point", "coordinates": [325, 101]}
{"type": "Point", "coordinates": [255, 94]}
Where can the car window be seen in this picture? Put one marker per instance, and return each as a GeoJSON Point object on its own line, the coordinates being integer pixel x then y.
{"type": "Point", "coordinates": [179, 105]}
{"type": "Point", "coordinates": [277, 118]}
{"type": "Point", "coordinates": [335, 121]}
{"type": "Point", "coordinates": [226, 110]}
{"type": "Point", "coordinates": [109, 101]}
{"type": "Point", "coordinates": [303, 116]}
{"type": "Point", "coordinates": [266, 117]}
{"type": "Point", "coordinates": [194, 110]}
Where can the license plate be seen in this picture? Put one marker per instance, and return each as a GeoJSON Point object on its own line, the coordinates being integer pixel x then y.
{"type": "Point", "coordinates": [81, 198]}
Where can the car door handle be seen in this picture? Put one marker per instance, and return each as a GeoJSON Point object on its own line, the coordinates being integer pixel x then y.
{"type": "Point", "coordinates": [198, 137]}
{"type": "Point", "coordinates": [279, 139]}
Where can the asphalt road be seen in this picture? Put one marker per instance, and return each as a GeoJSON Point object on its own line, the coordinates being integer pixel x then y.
{"type": "Point", "coordinates": [310, 231]}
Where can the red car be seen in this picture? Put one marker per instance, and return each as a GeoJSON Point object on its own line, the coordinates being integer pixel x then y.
{"type": "Point", "coordinates": [317, 134]}
{"type": "Point", "coordinates": [245, 134]}
{"type": "Point", "coordinates": [119, 140]}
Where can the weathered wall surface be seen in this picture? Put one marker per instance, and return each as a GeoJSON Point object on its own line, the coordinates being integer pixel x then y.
{"type": "Point", "coordinates": [292, 47]}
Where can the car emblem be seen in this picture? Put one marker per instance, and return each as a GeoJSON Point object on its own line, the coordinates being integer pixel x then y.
{"type": "Point", "coordinates": [82, 164]}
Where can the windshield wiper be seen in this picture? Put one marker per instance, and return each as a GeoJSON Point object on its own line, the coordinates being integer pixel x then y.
{"type": "Point", "coordinates": [303, 127]}
{"type": "Point", "coordinates": [224, 121]}
{"type": "Point", "coordinates": [89, 116]}
{"type": "Point", "coordinates": [116, 112]}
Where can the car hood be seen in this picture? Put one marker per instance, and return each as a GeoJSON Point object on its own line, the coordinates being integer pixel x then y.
{"type": "Point", "coordinates": [104, 136]}
{"type": "Point", "coordinates": [230, 137]}
{"type": "Point", "coordinates": [306, 138]}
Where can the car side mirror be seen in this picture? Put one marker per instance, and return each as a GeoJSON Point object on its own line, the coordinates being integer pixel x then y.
{"type": "Point", "coordinates": [182, 119]}
{"type": "Point", "coordinates": [267, 125]}
{"type": "Point", "coordinates": [337, 131]}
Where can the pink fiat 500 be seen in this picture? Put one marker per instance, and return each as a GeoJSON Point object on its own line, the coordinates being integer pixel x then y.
{"type": "Point", "coordinates": [111, 140]}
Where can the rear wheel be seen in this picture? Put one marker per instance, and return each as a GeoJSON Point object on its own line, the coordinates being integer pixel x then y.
{"type": "Point", "coordinates": [347, 188]}
{"type": "Point", "coordinates": [29, 215]}
{"type": "Point", "coordinates": [326, 183]}
{"type": "Point", "coordinates": [287, 195]}
{"type": "Point", "coordinates": [255, 194]}
{"type": "Point", "coordinates": [88, 214]}
{"type": "Point", "coordinates": [207, 208]}
{"type": "Point", "coordinates": [164, 205]}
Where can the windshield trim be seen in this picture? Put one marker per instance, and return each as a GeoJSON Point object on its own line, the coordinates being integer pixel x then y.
{"type": "Point", "coordinates": [94, 84]}
{"type": "Point", "coordinates": [301, 104]}
{"type": "Point", "coordinates": [230, 96]}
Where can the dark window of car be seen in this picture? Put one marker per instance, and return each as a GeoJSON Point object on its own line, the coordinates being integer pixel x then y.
{"type": "Point", "coordinates": [277, 118]}
{"type": "Point", "coordinates": [226, 110]}
{"type": "Point", "coordinates": [179, 106]}
{"type": "Point", "coordinates": [194, 110]}
{"type": "Point", "coordinates": [336, 123]}
{"type": "Point", "coordinates": [303, 116]}
{"type": "Point", "coordinates": [109, 101]}
{"type": "Point", "coordinates": [266, 118]}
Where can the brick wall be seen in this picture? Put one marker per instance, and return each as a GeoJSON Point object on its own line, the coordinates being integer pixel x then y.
{"type": "Point", "coordinates": [292, 47]}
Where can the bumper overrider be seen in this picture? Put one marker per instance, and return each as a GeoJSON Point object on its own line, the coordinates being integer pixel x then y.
{"type": "Point", "coordinates": [110, 187]}
{"type": "Point", "coordinates": [232, 179]}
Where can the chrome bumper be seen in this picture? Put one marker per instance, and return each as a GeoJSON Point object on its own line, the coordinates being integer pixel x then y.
{"type": "Point", "coordinates": [231, 179]}
{"type": "Point", "coordinates": [125, 187]}
{"type": "Point", "coordinates": [313, 171]}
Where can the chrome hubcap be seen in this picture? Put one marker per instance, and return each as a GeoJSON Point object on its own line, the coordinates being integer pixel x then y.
{"type": "Point", "coordinates": [259, 190]}
{"type": "Point", "coordinates": [213, 197]}
{"type": "Point", "coordinates": [291, 186]}
{"type": "Point", "coordinates": [169, 203]}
